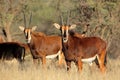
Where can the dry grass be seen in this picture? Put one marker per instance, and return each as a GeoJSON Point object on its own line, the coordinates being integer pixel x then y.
{"type": "Point", "coordinates": [53, 72]}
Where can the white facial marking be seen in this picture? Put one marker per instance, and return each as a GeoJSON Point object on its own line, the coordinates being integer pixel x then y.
{"type": "Point", "coordinates": [65, 33]}
{"type": "Point", "coordinates": [29, 37]}
{"type": "Point", "coordinates": [65, 40]}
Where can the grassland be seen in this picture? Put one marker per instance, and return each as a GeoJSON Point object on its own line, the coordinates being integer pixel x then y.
{"type": "Point", "coordinates": [12, 71]}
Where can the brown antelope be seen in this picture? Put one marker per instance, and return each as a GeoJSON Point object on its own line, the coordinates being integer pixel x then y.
{"type": "Point", "coordinates": [80, 50]}
{"type": "Point", "coordinates": [41, 45]}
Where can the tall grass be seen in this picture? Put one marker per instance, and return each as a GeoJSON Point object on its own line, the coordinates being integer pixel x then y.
{"type": "Point", "coordinates": [13, 71]}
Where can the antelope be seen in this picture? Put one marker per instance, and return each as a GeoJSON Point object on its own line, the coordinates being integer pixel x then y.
{"type": "Point", "coordinates": [81, 50]}
{"type": "Point", "coordinates": [41, 45]}
{"type": "Point", "coordinates": [11, 50]}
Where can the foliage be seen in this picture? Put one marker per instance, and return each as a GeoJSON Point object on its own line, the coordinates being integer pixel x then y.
{"type": "Point", "coordinates": [95, 17]}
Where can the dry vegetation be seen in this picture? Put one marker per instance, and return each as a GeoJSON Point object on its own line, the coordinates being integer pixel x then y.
{"type": "Point", "coordinates": [103, 17]}
{"type": "Point", "coordinates": [13, 71]}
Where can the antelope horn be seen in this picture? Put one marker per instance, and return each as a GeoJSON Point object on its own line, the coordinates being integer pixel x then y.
{"type": "Point", "coordinates": [30, 18]}
{"type": "Point", "coordinates": [24, 19]}
{"type": "Point", "coordinates": [61, 19]}
{"type": "Point", "coordinates": [68, 17]}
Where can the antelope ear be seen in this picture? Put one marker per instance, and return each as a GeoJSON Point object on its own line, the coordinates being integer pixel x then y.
{"type": "Point", "coordinates": [34, 28]}
{"type": "Point", "coordinates": [57, 25]}
{"type": "Point", "coordinates": [21, 28]}
{"type": "Point", "coordinates": [72, 26]}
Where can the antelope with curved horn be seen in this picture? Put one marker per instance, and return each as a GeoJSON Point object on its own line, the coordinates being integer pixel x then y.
{"type": "Point", "coordinates": [42, 46]}
{"type": "Point", "coordinates": [80, 50]}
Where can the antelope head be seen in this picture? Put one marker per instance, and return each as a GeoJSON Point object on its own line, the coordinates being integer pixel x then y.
{"type": "Point", "coordinates": [64, 29]}
{"type": "Point", "coordinates": [27, 31]}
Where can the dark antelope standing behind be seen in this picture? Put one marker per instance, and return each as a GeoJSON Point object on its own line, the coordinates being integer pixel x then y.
{"type": "Point", "coordinates": [11, 50]}
{"type": "Point", "coordinates": [79, 50]}
{"type": "Point", "coordinates": [42, 46]}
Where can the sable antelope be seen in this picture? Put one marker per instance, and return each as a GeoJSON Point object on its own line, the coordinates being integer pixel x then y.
{"type": "Point", "coordinates": [42, 46]}
{"type": "Point", "coordinates": [80, 50]}
{"type": "Point", "coordinates": [11, 50]}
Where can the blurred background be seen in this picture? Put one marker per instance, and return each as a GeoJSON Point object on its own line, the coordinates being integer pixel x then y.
{"type": "Point", "coordinates": [94, 17]}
